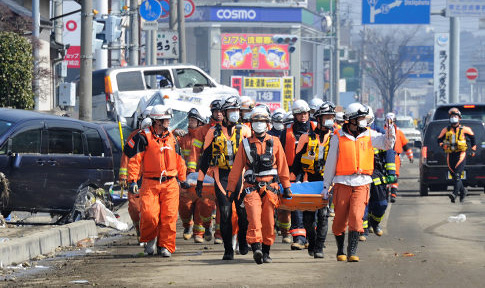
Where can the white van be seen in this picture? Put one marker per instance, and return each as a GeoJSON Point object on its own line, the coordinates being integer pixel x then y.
{"type": "Point", "coordinates": [406, 124]}
{"type": "Point", "coordinates": [117, 91]}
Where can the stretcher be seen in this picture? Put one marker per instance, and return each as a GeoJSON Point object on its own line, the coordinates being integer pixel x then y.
{"type": "Point", "coordinates": [208, 190]}
{"type": "Point", "coordinates": [306, 196]}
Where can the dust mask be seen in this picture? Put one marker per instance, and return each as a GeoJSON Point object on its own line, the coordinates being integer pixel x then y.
{"type": "Point", "coordinates": [279, 126]}
{"type": "Point", "coordinates": [454, 120]}
{"type": "Point", "coordinates": [362, 123]}
{"type": "Point", "coordinates": [233, 116]}
{"type": "Point", "coordinates": [259, 127]}
{"type": "Point", "coordinates": [328, 123]}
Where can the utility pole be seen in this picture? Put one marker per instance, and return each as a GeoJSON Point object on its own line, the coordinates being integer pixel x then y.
{"type": "Point", "coordinates": [101, 55]}
{"type": "Point", "coordinates": [85, 82]}
{"type": "Point", "coordinates": [36, 33]}
{"type": "Point", "coordinates": [454, 60]}
{"type": "Point", "coordinates": [58, 26]}
{"type": "Point", "coordinates": [181, 27]}
{"type": "Point", "coordinates": [336, 55]}
{"type": "Point", "coordinates": [173, 21]}
{"type": "Point", "coordinates": [134, 35]}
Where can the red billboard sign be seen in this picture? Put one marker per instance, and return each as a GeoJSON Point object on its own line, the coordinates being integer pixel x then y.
{"type": "Point", "coordinates": [253, 52]}
{"type": "Point", "coordinates": [73, 57]}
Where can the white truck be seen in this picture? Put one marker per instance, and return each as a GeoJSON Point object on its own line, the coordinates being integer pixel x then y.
{"type": "Point", "coordinates": [117, 92]}
{"type": "Point", "coordinates": [406, 124]}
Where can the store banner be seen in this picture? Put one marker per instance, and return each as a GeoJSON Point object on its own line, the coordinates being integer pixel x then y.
{"type": "Point", "coordinates": [236, 83]}
{"type": "Point", "coordinates": [441, 67]}
{"type": "Point", "coordinates": [253, 52]}
{"type": "Point", "coordinates": [269, 91]}
{"type": "Point", "coordinates": [306, 80]}
{"type": "Point", "coordinates": [287, 92]}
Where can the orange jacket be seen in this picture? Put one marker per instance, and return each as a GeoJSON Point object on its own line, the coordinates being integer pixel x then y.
{"type": "Point", "coordinates": [199, 136]}
{"type": "Point", "coordinates": [189, 155]}
{"type": "Point", "coordinates": [400, 141]}
{"type": "Point", "coordinates": [124, 158]}
{"type": "Point", "coordinates": [290, 143]}
{"type": "Point", "coordinates": [156, 155]}
{"type": "Point", "coordinates": [241, 162]}
{"type": "Point", "coordinates": [355, 156]}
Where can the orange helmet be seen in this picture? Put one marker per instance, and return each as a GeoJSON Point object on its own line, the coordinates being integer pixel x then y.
{"type": "Point", "coordinates": [454, 111]}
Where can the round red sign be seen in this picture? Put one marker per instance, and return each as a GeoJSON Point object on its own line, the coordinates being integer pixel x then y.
{"type": "Point", "coordinates": [472, 73]}
{"type": "Point", "coordinates": [71, 25]}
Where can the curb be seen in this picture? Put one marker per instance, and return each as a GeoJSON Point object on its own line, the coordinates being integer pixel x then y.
{"type": "Point", "coordinates": [45, 242]}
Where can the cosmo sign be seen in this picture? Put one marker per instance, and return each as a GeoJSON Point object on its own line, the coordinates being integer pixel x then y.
{"type": "Point", "coordinates": [235, 14]}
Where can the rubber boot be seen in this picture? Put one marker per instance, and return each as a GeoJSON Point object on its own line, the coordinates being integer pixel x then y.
{"type": "Point", "coordinates": [376, 229]}
{"type": "Point", "coordinates": [340, 247]}
{"type": "Point", "coordinates": [393, 195]}
{"type": "Point", "coordinates": [363, 235]}
{"type": "Point", "coordinates": [352, 246]}
{"type": "Point", "coordinates": [257, 253]}
{"type": "Point", "coordinates": [463, 194]}
{"type": "Point", "coordinates": [187, 233]}
{"type": "Point", "coordinates": [266, 258]}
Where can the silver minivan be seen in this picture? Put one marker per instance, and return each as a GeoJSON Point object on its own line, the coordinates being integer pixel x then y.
{"type": "Point", "coordinates": [117, 91]}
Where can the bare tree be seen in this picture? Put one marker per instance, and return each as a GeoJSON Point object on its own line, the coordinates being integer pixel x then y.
{"type": "Point", "coordinates": [385, 62]}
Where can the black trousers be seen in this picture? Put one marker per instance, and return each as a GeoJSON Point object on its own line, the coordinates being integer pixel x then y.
{"type": "Point", "coordinates": [453, 159]}
{"type": "Point", "coordinates": [316, 237]}
{"type": "Point", "coordinates": [225, 209]}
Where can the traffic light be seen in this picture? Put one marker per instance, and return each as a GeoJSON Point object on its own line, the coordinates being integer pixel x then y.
{"type": "Point", "coordinates": [98, 33]}
{"type": "Point", "coordinates": [286, 39]}
{"type": "Point", "coordinates": [113, 29]}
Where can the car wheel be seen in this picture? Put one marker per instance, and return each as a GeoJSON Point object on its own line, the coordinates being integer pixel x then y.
{"type": "Point", "coordinates": [5, 213]}
{"type": "Point", "coordinates": [423, 189]}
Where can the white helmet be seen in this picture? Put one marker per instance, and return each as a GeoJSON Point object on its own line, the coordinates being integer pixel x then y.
{"type": "Point", "coordinates": [356, 110]}
{"type": "Point", "coordinates": [147, 111]}
{"type": "Point", "coordinates": [147, 122]}
{"type": "Point", "coordinates": [247, 103]}
{"type": "Point", "coordinates": [288, 119]}
{"type": "Point", "coordinates": [339, 116]}
{"type": "Point", "coordinates": [315, 103]}
{"type": "Point", "coordinates": [260, 113]}
{"type": "Point", "coordinates": [300, 106]}
{"type": "Point", "coordinates": [370, 117]}
{"type": "Point", "coordinates": [161, 112]}
{"type": "Point", "coordinates": [391, 116]}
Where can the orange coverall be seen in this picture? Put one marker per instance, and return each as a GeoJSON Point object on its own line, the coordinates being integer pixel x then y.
{"type": "Point", "coordinates": [157, 157]}
{"type": "Point", "coordinates": [401, 144]}
{"type": "Point", "coordinates": [260, 209]}
{"type": "Point", "coordinates": [200, 208]}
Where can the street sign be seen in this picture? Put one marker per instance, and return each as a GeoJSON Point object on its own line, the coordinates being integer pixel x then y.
{"type": "Point", "coordinates": [472, 74]}
{"type": "Point", "coordinates": [418, 61]}
{"type": "Point", "coordinates": [167, 44]}
{"type": "Point", "coordinates": [149, 25]}
{"type": "Point", "coordinates": [189, 8]}
{"type": "Point", "coordinates": [395, 12]}
{"type": "Point", "coordinates": [441, 71]}
{"type": "Point", "coordinates": [150, 10]}
{"type": "Point", "coordinates": [465, 8]}
{"type": "Point", "coordinates": [165, 8]}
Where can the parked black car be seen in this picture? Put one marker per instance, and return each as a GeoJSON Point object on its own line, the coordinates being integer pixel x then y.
{"type": "Point", "coordinates": [113, 131]}
{"type": "Point", "coordinates": [51, 161]}
{"type": "Point", "coordinates": [475, 111]}
{"type": "Point", "coordinates": [433, 168]}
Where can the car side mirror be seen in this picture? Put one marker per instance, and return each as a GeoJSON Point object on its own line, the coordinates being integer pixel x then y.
{"type": "Point", "coordinates": [418, 144]}
{"type": "Point", "coordinates": [197, 89]}
{"type": "Point", "coordinates": [9, 148]}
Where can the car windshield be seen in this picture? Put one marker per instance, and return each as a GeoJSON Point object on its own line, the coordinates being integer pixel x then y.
{"type": "Point", "coordinates": [404, 124]}
{"type": "Point", "coordinates": [179, 120]}
{"type": "Point", "coordinates": [475, 112]}
{"type": "Point", "coordinates": [4, 126]}
{"type": "Point", "coordinates": [114, 134]}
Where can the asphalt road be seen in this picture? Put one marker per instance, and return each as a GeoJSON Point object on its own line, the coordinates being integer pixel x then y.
{"type": "Point", "coordinates": [419, 248]}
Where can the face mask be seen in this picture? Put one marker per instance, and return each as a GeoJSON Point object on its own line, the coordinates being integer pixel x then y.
{"type": "Point", "coordinates": [259, 127]}
{"type": "Point", "coordinates": [363, 123]}
{"type": "Point", "coordinates": [279, 126]}
{"type": "Point", "coordinates": [454, 120]}
{"type": "Point", "coordinates": [233, 116]}
{"type": "Point", "coordinates": [328, 123]}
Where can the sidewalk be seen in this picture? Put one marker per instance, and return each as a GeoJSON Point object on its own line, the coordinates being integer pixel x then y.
{"type": "Point", "coordinates": [21, 243]}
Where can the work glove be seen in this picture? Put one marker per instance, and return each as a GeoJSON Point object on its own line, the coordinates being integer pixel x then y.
{"type": "Point", "coordinates": [179, 132]}
{"type": "Point", "coordinates": [391, 179]}
{"type": "Point", "coordinates": [325, 194]}
{"type": "Point", "coordinates": [287, 193]}
{"type": "Point", "coordinates": [184, 185]}
{"type": "Point", "coordinates": [133, 188]}
{"type": "Point", "coordinates": [198, 188]}
{"type": "Point", "coordinates": [472, 153]}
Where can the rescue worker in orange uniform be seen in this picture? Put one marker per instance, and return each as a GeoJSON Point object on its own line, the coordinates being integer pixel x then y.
{"type": "Point", "coordinates": [349, 166]}
{"type": "Point", "coordinates": [309, 165]}
{"type": "Point", "coordinates": [160, 164]}
{"type": "Point", "coordinates": [133, 199]}
{"type": "Point", "coordinates": [453, 140]}
{"type": "Point", "coordinates": [263, 159]}
{"type": "Point", "coordinates": [247, 105]}
{"type": "Point", "coordinates": [289, 139]}
{"type": "Point", "coordinates": [220, 145]}
{"type": "Point", "coordinates": [277, 125]}
{"type": "Point", "coordinates": [400, 146]}
{"type": "Point", "coordinates": [201, 209]}
{"type": "Point", "coordinates": [197, 149]}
